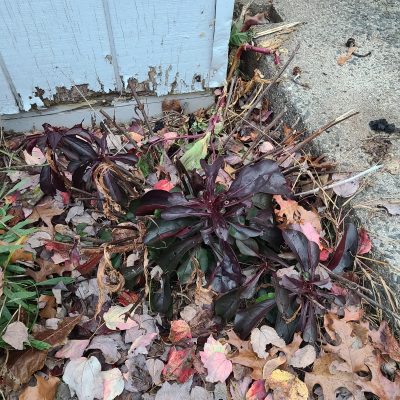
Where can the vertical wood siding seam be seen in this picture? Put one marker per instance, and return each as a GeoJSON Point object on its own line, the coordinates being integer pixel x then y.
{"type": "Point", "coordinates": [113, 48]}
{"type": "Point", "coordinates": [10, 82]}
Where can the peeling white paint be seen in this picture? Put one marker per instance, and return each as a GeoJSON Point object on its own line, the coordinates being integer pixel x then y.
{"type": "Point", "coordinates": [174, 46]}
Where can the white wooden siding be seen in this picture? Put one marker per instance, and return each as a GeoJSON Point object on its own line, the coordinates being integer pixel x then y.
{"type": "Point", "coordinates": [48, 46]}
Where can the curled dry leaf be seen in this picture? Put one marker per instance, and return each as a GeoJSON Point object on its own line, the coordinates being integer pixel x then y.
{"type": "Point", "coordinates": [109, 345]}
{"type": "Point", "coordinates": [262, 337]}
{"type": "Point", "coordinates": [16, 335]}
{"type": "Point", "coordinates": [45, 389]}
{"type": "Point", "coordinates": [109, 280]}
{"type": "Point", "coordinates": [286, 386]}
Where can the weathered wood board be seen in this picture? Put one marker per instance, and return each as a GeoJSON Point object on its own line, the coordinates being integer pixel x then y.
{"type": "Point", "coordinates": [53, 51]}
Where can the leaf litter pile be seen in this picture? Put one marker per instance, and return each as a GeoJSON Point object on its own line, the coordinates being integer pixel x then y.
{"type": "Point", "coordinates": [201, 256]}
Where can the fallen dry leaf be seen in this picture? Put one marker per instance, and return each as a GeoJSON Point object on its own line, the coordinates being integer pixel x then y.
{"type": "Point", "coordinates": [109, 280]}
{"type": "Point", "coordinates": [329, 382]}
{"type": "Point", "coordinates": [83, 377]}
{"type": "Point", "coordinates": [303, 357]}
{"type": "Point", "coordinates": [364, 242]}
{"type": "Point", "coordinates": [343, 58]}
{"type": "Point", "coordinates": [346, 189]}
{"type": "Point", "coordinates": [16, 335]}
{"type": "Point", "coordinates": [140, 343]}
{"type": "Point", "coordinates": [179, 365]}
{"type": "Point", "coordinates": [293, 214]}
{"type": "Point", "coordinates": [351, 348]}
{"type": "Point", "coordinates": [22, 364]}
{"type": "Point", "coordinates": [45, 389]}
{"type": "Point", "coordinates": [384, 340]}
{"type": "Point", "coordinates": [155, 367]}
{"type": "Point", "coordinates": [113, 383]}
{"type": "Point", "coordinates": [48, 268]}
{"type": "Point", "coordinates": [179, 330]}
{"type": "Point", "coordinates": [257, 390]}
{"type": "Point", "coordinates": [261, 337]}
{"type": "Point", "coordinates": [286, 386]}
{"type": "Point", "coordinates": [214, 359]}
{"type": "Point", "coordinates": [45, 210]}
{"type": "Point", "coordinates": [47, 305]}
{"type": "Point", "coordinates": [174, 391]}
{"type": "Point", "coordinates": [73, 349]}
{"type": "Point", "coordinates": [246, 356]}
{"type": "Point", "coordinates": [272, 365]}
{"type": "Point", "coordinates": [117, 317]}
{"type": "Point", "coordinates": [108, 345]}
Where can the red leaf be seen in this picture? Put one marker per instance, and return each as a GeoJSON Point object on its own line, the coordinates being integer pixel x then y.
{"type": "Point", "coordinates": [179, 330]}
{"type": "Point", "coordinates": [179, 365]}
{"type": "Point", "coordinates": [364, 242]}
{"type": "Point", "coordinates": [164, 184]}
{"type": "Point", "coordinates": [257, 390]}
{"type": "Point", "coordinates": [325, 253]}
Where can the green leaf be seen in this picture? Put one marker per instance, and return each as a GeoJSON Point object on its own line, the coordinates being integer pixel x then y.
{"type": "Point", "coordinates": [145, 164]}
{"type": "Point", "coordinates": [54, 281]}
{"type": "Point", "coordinates": [198, 151]}
{"type": "Point", "coordinates": [9, 248]}
{"type": "Point", "coordinates": [38, 344]}
{"type": "Point", "coordinates": [238, 38]}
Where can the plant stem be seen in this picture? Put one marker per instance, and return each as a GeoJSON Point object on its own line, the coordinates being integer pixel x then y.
{"type": "Point", "coordinates": [119, 129]}
{"type": "Point", "coordinates": [342, 182]}
{"type": "Point", "coordinates": [140, 106]}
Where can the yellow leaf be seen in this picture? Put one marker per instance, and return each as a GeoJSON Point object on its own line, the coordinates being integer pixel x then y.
{"type": "Point", "coordinates": [286, 386]}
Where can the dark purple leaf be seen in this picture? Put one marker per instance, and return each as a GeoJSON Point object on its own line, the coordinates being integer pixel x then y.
{"type": "Point", "coordinates": [227, 274]}
{"type": "Point", "coordinates": [346, 250]}
{"type": "Point", "coordinates": [136, 126]}
{"type": "Point", "coordinates": [129, 159]}
{"type": "Point", "coordinates": [78, 146]}
{"type": "Point", "coordinates": [50, 181]}
{"type": "Point", "coordinates": [116, 192]}
{"type": "Point", "coordinates": [170, 258]}
{"type": "Point", "coordinates": [159, 199]}
{"type": "Point", "coordinates": [262, 177]}
{"type": "Point", "coordinates": [226, 305]}
{"type": "Point", "coordinates": [162, 230]}
{"type": "Point", "coordinates": [309, 326]}
{"type": "Point", "coordinates": [282, 299]}
{"type": "Point", "coordinates": [248, 247]}
{"type": "Point", "coordinates": [243, 232]}
{"type": "Point", "coordinates": [219, 224]}
{"type": "Point", "coordinates": [265, 220]}
{"type": "Point", "coordinates": [161, 300]}
{"type": "Point", "coordinates": [306, 251]}
{"type": "Point", "coordinates": [175, 212]}
{"type": "Point", "coordinates": [78, 170]}
{"type": "Point", "coordinates": [211, 172]}
{"type": "Point", "coordinates": [250, 317]}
